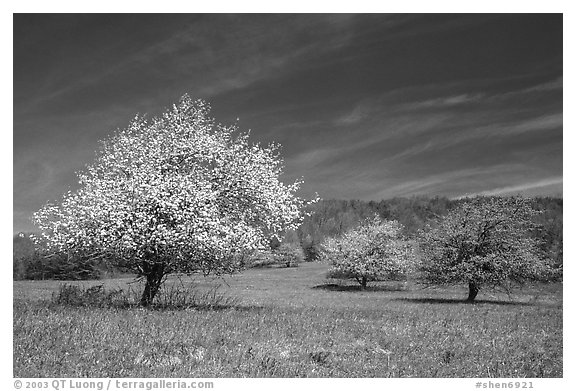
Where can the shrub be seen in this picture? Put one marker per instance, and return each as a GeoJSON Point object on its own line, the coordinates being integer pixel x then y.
{"type": "Point", "coordinates": [263, 258]}
{"type": "Point", "coordinates": [289, 254]}
{"type": "Point", "coordinates": [174, 297]}
{"type": "Point", "coordinates": [94, 296]}
{"type": "Point", "coordinates": [311, 252]}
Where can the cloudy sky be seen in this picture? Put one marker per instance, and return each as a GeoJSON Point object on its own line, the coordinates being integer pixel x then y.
{"type": "Point", "coordinates": [365, 106]}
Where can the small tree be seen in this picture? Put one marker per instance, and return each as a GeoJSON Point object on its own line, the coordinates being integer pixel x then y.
{"type": "Point", "coordinates": [375, 250]}
{"type": "Point", "coordinates": [174, 194]}
{"type": "Point", "coordinates": [483, 242]}
{"type": "Point", "coordinates": [289, 254]}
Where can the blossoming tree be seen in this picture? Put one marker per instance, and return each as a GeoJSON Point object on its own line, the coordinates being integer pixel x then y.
{"type": "Point", "coordinates": [374, 250]}
{"type": "Point", "coordinates": [176, 193]}
{"type": "Point", "coordinates": [483, 242]}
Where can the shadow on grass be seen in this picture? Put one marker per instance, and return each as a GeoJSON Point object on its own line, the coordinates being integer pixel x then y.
{"type": "Point", "coordinates": [356, 288]}
{"type": "Point", "coordinates": [462, 301]}
{"type": "Point", "coordinates": [204, 308]}
{"type": "Point", "coordinates": [153, 307]}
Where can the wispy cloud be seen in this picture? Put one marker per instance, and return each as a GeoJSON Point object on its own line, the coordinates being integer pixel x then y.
{"type": "Point", "coordinates": [216, 56]}
{"type": "Point", "coordinates": [524, 187]}
{"type": "Point", "coordinates": [499, 130]}
{"type": "Point", "coordinates": [439, 96]}
{"type": "Point", "coordinates": [359, 113]}
{"type": "Point", "coordinates": [444, 102]}
{"type": "Point", "coordinates": [339, 148]}
{"type": "Point", "coordinates": [448, 181]}
{"type": "Point", "coordinates": [366, 106]}
{"type": "Point", "coordinates": [552, 85]}
{"type": "Point", "coordinates": [439, 123]}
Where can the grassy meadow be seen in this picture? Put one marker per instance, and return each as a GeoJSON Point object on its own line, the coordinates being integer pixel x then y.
{"type": "Point", "coordinates": [290, 322]}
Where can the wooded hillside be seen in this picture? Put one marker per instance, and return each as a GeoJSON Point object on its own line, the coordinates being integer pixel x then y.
{"type": "Point", "coordinates": [334, 217]}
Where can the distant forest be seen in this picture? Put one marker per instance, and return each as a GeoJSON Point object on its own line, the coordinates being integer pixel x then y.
{"type": "Point", "coordinates": [327, 218]}
{"type": "Point", "coordinates": [334, 217]}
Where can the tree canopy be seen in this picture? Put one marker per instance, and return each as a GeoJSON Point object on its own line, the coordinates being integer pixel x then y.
{"type": "Point", "coordinates": [374, 250]}
{"type": "Point", "coordinates": [483, 242]}
{"type": "Point", "coordinates": [177, 193]}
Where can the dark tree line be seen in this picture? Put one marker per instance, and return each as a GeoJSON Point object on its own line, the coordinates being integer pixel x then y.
{"type": "Point", "coordinates": [551, 223]}
{"type": "Point", "coordinates": [29, 264]}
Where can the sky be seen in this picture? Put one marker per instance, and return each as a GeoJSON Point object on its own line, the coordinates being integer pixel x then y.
{"type": "Point", "coordinates": [365, 106]}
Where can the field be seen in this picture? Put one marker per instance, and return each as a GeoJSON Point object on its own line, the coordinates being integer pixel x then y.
{"type": "Point", "coordinates": [292, 322]}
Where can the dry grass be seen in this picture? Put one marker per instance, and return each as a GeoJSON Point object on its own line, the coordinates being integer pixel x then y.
{"type": "Point", "coordinates": [291, 322]}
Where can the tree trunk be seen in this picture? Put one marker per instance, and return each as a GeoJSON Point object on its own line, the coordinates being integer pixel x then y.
{"type": "Point", "coordinates": [153, 282]}
{"type": "Point", "coordinates": [473, 289]}
{"type": "Point", "coordinates": [364, 282]}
